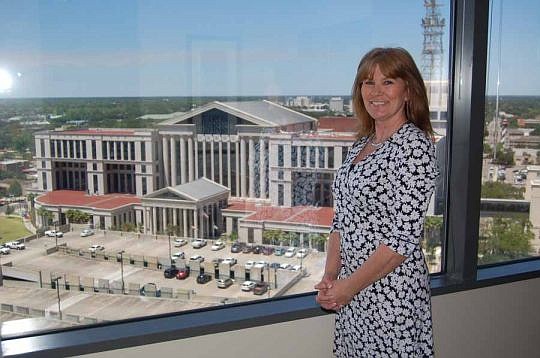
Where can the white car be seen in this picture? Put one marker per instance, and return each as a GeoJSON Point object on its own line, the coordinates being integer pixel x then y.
{"type": "Point", "coordinates": [198, 243]}
{"type": "Point", "coordinates": [218, 245]}
{"type": "Point", "coordinates": [95, 248]}
{"type": "Point", "coordinates": [247, 286]}
{"type": "Point", "coordinates": [296, 268]}
{"type": "Point", "coordinates": [290, 252]}
{"type": "Point", "coordinates": [177, 255]}
{"type": "Point", "coordinates": [196, 258]}
{"type": "Point", "coordinates": [15, 245]}
{"type": "Point", "coordinates": [179, 242]}
{"type": "Point", "coordinates": [302, 253]}
{"type": "Point", "coordinates": [260, 264]}
{"type": "Point", "coordinates": [87, 232]}
{"type": "Point", "coordinates": [249, 264]}
{"type": "Point", "coordinates": [229, 261]}
{"type": "Point", "coordinates": [4, 250]}
{"type": "Point", "coordinates": [53, 233]}
{"type": "Point", "coordinates": [285, 266]}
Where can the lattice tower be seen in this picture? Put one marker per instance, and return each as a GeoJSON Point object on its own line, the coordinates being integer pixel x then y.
{"type": "Point", "coordinates": [432, 51]}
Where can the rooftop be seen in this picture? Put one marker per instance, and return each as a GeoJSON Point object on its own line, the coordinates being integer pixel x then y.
{"type": "Point", "coordinates": [72, 198]}
{"type": "Point", "coordinates": [338, 124]}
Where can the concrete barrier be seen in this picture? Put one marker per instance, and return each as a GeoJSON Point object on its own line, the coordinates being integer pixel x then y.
{"type": "Point", "coordinates": [34, 312]}
{"type": "Point", "coordinates": [6, 307]}
{"type": "Point", "coordinates": [133, 288]}
{"type": "Point", "coordinates": [87, 320]}
{"type": "Point", "coordinates": [87, 283]}
{"type": "Point", "coordinates": [166, 292]}
{"type": "Point", "coordinates": [21, 310]}
{"type": "Point", "coordinates": [70, 317]}
{"type": "Point", "coordinates": [102, 286]}
{"type": "Point", "coordinates": [116, 287]}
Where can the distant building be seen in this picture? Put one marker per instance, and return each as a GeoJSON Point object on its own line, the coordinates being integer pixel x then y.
{"type": "Point", "coordinates": [14, 165]}
{"type": "Point", "coordinates": [336, 104]}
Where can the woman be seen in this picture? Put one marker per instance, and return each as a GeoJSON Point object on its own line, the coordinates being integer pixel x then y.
{"type": "Point", "coordinates": [376, 278]}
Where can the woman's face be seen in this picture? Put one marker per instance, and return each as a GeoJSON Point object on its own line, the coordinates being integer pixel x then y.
{"type": "Point", "coordinates": [384, 98]}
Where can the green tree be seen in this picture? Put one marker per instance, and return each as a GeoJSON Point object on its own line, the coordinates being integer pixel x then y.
{"type": "Point", "coordinates": [499, 190]}
{"type": "Point", "coordinates": [77, 216]}
{"type": "Point", "coordinates": [46, 216]}
{"type": "Point", "coordinates": [504, 239]}
{"type": "Point", "coordinates": [9, 209]}
{"type": "Point", "coordinates": [432, 236]}
{"type": "Point", "coordinates": [504, 156]}
{"type": "Point", "coordinates": [15, 188]}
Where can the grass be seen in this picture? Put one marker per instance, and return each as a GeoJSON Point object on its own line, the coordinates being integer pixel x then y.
{"type": "Point", "coordinates": [12, 228]}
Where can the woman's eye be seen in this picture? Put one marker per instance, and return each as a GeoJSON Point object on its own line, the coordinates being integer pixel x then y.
{"type": "Point", "coordinates": [369, 83]}
{"type": "Point", "coordinates": [388, 82]}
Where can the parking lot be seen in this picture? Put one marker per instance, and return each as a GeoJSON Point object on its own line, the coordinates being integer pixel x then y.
{"type": "Point", "coordinates": [34, 258]}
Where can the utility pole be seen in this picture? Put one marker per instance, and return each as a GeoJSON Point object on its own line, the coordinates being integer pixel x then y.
{"type": "Point", "coordinates": [121, 253]}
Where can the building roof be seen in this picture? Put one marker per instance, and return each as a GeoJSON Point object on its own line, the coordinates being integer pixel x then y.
{"type": "Point", "coordinates": [196, 190]}
{"type": "Point", "coordinates": [262, 113]}
{"type": "Point", "coordinates": [97, 131]}
{"type": "Point", "coordinates": [72, 198]}
{"type": "Point", "coordinates": [307, 215]}
{"type": "Point", "coordinates": [339, 124]}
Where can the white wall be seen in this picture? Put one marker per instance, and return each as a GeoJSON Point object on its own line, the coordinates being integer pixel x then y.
{"type": "Point", "coordinates": [497, 321]}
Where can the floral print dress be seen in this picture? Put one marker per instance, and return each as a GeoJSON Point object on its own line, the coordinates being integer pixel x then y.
{"type": "Point", "coordinates": [383, 200]}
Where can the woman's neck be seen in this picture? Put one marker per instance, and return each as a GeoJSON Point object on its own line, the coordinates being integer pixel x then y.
{"type": "Point", "coordinates": [383, 131]}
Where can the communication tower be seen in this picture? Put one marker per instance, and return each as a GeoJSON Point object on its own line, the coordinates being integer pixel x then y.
{"type": "Point", "coordinates": [432, 51]}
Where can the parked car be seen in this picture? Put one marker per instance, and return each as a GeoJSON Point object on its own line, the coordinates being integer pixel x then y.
{"type": "Point", "coordinates": [54, 233]}
{"type": "Point", "coordinates": [257, 249]}
{"type": "Point", "coordinates": [290, 252]}
{"type": "Point", "coordinates": [267, 250]}
{"type": "Point", "coordinates": [179, 242]}
{"type": "Point", "coordinates": [237, 247]}
{"type": "Point", "coordinates": [224, 282]}
{"type": "Point", "coordinates": [261, 264]}
{"type": "Point", "coordinates": [95, 248]}
{"type": "Point", "coordinates": [285, 266]}
{"type": "Point", "coordinates": [178, 255]}
{"type": "Point", "coordinates": [247, 286]}
{"type": "Point", "coordinates": [247, 249]}
{"type": "Point", "coordinates": [229, 261]}
{"type": "Point", "coordinates": [279, 251]}
{"type": "Point", "coordinates": [204, 278]}
{"type": "Point", "coordinates": [260, 288]}
{"type": "Point", "coordinates": [296, 268]}
{"type": "Point", "coordinates": [198, 243]}
{"type": "Point", "coordinates": [196, 258]}
{"type": "Point", "coordinates": [302, 253]}
{"type": "Point", "coordinates": [146, 288]}
{"type": "Point", "coordinates": [249, 264]}
{"type": "Point", "coordinates": [218, 245]}
{"type": "Point", "coordinates": [4, 250]}
{"type": "Point", "coordinates": [15, 245]}
{"type": "Point", "coordinates": [275, 265]}
{"type": "Point", "coordinates": [87, 232]}
{"type": "Point", "coordinates": [183, 273]}
{"type": "Point", "coordinates": [170, 272]}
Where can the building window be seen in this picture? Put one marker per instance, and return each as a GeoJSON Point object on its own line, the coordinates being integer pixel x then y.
{"type": "Point", "coordinates": [294, 156]}
{"type": "Point", "coordinates": [281, 199]}
{"type": "Point", "coordinates": [144, 187]}
{"type": "Point", "coordinates": [143, 151]}
{"type": "Point", "coordinates": [330, 157]}
{"type": "Point", "coordinates": [42, 147]}
{"type": "Point", "coordinates": [280, 155]}
{"type": "Point", "coordinates": [43, 164]}
{"type": "Point", "coordinates": [143, 168]}
{"type": "Point", "coordinates": [303, 156]}
{"type": "Point", "coordinates": [280, 174]}
{"type": "Point", "coordinates": [44, 180]}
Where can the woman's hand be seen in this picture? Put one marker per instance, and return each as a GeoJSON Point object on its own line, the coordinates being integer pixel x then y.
{"type": "Point", "coordinates": [334, 294]}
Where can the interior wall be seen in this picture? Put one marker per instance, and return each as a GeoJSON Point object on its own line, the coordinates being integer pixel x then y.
{"type": "Point", "coordinates": [496, 321]}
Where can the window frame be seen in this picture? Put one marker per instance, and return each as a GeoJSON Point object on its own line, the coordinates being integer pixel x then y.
{"type": "Point", "coordinates": [468, 56]}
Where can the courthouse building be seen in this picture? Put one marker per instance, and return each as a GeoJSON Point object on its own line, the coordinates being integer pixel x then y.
{"type": "Point", "coordinates": [223, 167]}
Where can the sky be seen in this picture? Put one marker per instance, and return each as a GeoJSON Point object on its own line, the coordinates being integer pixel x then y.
{"type": "Point", "coordinates": [83, 48]}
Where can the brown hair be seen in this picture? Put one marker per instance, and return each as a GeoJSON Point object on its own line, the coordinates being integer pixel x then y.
{"type": "Point", "coordinates": [393, 63]}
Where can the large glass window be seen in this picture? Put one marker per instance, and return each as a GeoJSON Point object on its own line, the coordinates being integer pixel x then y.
{"type": "Point", "coordinates": [510, 216]}
{"type": "Point", "coordinates": [224, 98]}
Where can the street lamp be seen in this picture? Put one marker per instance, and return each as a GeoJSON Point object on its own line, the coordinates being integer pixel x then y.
{"type": "Point", "coordinates": [58, 293]}
{"type": "Point", "coordinates": [121, 253]}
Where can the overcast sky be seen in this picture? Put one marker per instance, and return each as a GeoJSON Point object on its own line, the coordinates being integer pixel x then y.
{"type": "Point", "coordinates": [65, 48]}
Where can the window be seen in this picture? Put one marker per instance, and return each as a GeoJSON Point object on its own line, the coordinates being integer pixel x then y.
{"type": "Point", "coordinates": [510, 217]}
{"type": "Point", "coordinates": [155, 91]}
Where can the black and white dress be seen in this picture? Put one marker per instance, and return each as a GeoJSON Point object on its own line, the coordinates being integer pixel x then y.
{"type": "Point", "coordinates": [383, 200]}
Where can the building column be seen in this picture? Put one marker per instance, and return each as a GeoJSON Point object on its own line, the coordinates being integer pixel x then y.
{"type": "Point", "coordinates": [173, 161]}
{"type": "Point", "coordinates": [326, 157]}
{"type": "Point", "coordinates": [237, 160]}
{"type": "Point", "coordinates": [196, 159]}
{"type": "Point", "coordinates": [262, 169]}
{"type": "Point", "coordinates": [204, 158]}
{"type": "Point", "coordinates": [229, 165]}
{"type": "Point", "coordinates": [191, 174]}
{"type": "Point", "coordinates": [212, 160]}
{"type": "Point", "coordinates": [251, 168]}
{"type": "Point", "coordinates": [243, 176]}
{"type": "Point", "coordinates": [198, 228]}
{"type": "Point", "coordinates": [154, 220]}
{"type": "Point", "coordinates": [317, 157]}
{"type": "Point", "coordinates": [165, 211]}
{"type": "Point", "coordinates": [166, 161]}
{"type": "Point", "coordinates": [175, 217]}
{"type": "Point", "coordinates": [220, 151]}
{"type": "Point", "coordinates": [183, 177]}
{"type": "Point", "coordinates": [185, 223]}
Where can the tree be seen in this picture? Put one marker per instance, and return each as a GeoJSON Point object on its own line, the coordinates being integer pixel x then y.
{"type": "Point", "coordinates": [9, 209]}
{"type": "Point", "coordinates": [499, 190]}
{"type": "Point", "coordinates": [15, 188]}
{"type": "Point", "coordinates": [432, 236]}
{"type": "Point", "coordinates": [46, 216]}
{"type": "Point", "coordinates": [504, 239]}
{"type": "Point", "coordinates": [77, 216]}
{"type": "Point", "coordinates": [504, 156]}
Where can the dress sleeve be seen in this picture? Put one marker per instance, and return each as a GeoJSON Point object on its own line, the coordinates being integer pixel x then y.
{"type": "Point", "coordinates": [412, 186]}
{"type": "Point", "coordinates": [337, 224]}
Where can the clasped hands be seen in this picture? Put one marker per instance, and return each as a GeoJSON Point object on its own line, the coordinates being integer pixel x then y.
{"type": "Point", "coordinates": [334, 294]}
